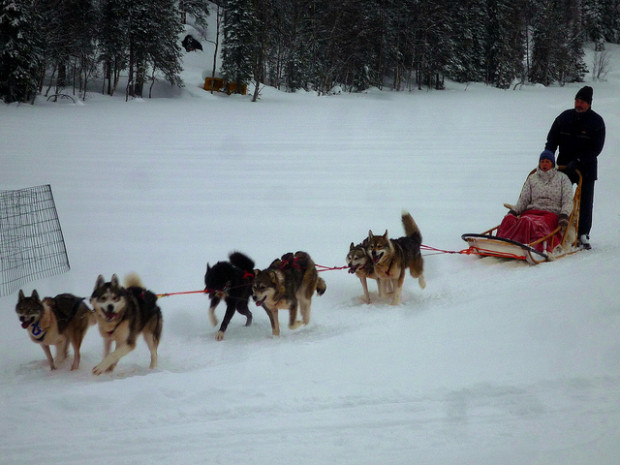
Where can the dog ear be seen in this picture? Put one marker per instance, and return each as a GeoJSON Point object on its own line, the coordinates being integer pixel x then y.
{"type": "Point", "coordinates": [386, 234]}
{"type": "Point", "coordinates": [352, 246]}
{"type": "Point", "coordinates": [100, 282]}
{"type": "Point", "coordinates": [370, 234]}
{"type": "Point", "coordinates": [35, 295]}
{"type": "Point", "coordinates": [256, 271]}
{"type": "Point", "coordinates": [20, 296]}
{"type": "Point", "coordinates": [114, 282]}
{"type": "Point", "coordinates": [208, 266]}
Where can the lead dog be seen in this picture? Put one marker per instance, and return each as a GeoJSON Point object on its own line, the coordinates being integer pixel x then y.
{"type": "Point", "coordinates": [123, 313]}
{"type": "Point", "coordinates": [392, 257]}
{"type": "Point", "coordinates": [288, 283]}
{"type": "Point", "coordinates": [231, 281]}
{"type": "Point", "coordinates": [55, 321]}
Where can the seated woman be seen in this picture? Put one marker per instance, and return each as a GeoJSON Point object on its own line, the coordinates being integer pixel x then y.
{"type": "Point", "coordinates": [545, 202]}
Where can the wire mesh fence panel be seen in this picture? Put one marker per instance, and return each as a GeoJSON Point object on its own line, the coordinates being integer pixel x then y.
{"type": "Point", "coordinates": [31, 241]}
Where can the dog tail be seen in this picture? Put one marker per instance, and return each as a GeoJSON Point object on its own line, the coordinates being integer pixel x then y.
{"type": "Point", "coordinates": [133, 280]}
{"type": "Point", "coordinates": [241, 261]}
{"type": "Point", "coordinates": [321, 287]}
{"type": "Point", "coordinates": [411, 228]}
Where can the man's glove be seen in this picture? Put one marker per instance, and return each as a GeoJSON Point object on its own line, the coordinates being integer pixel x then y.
{"type": "Point", "coordinates": [563, 220]}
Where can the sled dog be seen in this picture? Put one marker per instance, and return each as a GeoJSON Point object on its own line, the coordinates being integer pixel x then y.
{"type": "Point", "coordinates": [55, 321]}
{"type": "Point", "coordinates": [360, 264]}
{"type": "Point", "coordinates": [288, 283]}
{"type": "Point", "coordinates": [392, 257]}
{"type": "Point", "coordinates": [231, 281]}
{"type": "Point", "coordinates": [123, 313]}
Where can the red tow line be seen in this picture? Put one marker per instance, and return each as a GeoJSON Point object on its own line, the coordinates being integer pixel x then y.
{"type": "Point", "coordinates": [330, 268]}
{"type": "Point", "coordinates": [168, 294]}
{"type": "Point", "coordinates": [433, 249]}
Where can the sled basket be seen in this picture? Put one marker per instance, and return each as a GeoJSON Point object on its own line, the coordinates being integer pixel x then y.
{"type": "Point", "coordinates": [488, 244]}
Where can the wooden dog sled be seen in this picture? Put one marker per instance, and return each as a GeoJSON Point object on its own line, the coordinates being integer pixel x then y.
{"type": "Point", "coordinates": [488, 244]}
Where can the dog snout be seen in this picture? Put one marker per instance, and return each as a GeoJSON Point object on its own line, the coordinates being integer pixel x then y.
{"type": "Point", "coordinates": [110, 308]}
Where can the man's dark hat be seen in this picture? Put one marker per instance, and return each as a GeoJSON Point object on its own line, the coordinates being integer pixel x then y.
{"type": "Point", "coordinates": [585, 94]}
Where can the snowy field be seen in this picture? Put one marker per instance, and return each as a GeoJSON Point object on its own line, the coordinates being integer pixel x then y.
{"type": "Point", "coordinates": [495, 362]}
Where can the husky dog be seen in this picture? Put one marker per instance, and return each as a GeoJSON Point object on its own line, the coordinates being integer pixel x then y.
{"type": "Point", "coordinates": [361, 265]}
{"type": "Point", "coordinates": [55, 321]}
{"type": "Point", "coordinates": [123, 313]}
{"type": "Point", "coordinates": [392, 257]}
{"type": "Point", "coordinates": [231, 281]}
{"type": "Point", "coordinates": [288, 283]}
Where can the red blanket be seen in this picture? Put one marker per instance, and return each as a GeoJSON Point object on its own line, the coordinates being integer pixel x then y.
{"type": "Point", "coordinates": [529, 227]}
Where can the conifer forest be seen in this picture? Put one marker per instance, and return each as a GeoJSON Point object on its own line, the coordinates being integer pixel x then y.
{"type": "Point", "coordinates": [49, 47]}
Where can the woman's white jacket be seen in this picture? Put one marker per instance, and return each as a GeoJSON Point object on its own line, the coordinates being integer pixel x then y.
{"type": "Point", "coordinates": [546, 190]}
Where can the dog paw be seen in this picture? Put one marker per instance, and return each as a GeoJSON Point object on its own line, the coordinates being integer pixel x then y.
{"type": "Point", "coordinates": [295, 325]}
{"type": "Point", "coordinates": [99, 369]}
{"type": "Point", "coordinates": [219, 336]}
{"type": "Point", "coordinates": [103, 368]}
{"type": "Point", "coordinates": [422, 282]}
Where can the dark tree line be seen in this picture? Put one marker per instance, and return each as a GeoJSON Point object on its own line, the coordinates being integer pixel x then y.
{"type": "Point", "coordinates": [49, 45]}
{"type": "Point", "coordinates": [53, 45]}
{"type": "Point", "coordinates": [409, 44]}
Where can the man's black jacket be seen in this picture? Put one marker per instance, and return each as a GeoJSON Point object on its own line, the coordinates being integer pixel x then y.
{"type": "Point", "coordinates": [580, 138]}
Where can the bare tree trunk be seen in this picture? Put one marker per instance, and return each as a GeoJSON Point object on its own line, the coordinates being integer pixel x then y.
{"type": "Point", "coordinates": [219, 15]}
{"type": "Point", "coordinates": [152, 83]}
{"type": "Point", "coordinates": [129, 91]}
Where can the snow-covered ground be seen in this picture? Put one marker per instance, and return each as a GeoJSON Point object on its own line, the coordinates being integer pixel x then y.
{"type": "Point", "coordinates": [494, 362]}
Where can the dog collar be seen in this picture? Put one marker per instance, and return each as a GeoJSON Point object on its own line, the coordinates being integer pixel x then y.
{"type": "Point", "coordinates": [36, 332]}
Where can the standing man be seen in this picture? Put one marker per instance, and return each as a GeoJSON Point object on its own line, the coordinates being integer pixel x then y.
{"type": "Point", "coordinates": [579, 133]}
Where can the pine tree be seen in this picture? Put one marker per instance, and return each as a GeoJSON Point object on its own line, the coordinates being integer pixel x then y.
{"type": "Point", "coordinates": [506, 41]}
{"type": "Point", "coordinates": [469, 41]}
{"type": "Point", "coordinates": [19, 52]}
{"type": "Point", "coordinates": [69, 30]}
{"type": "Point", "coordinates": [153, 29]}
{"type": "Point", "coordinates": [302, 42]}
{"type": "Point", "coordinates": [165, 53]}
{"type": "Point", "coordinates": [610, 19]}
{"type": "Point", "coordinates": [199, 9]}
{"type": "Point", "coordinates": [114, 42]}
{"type": "Point", "coordinates": [239, 27]}
{"type": "Point", "coordinates": [592, 19]}
{"type": "Point", "coordinates": [400, 50]}
{"type": "Point", "coordinates": [432, 45]}
{"type": "Point", "coordinates": [557, 54]}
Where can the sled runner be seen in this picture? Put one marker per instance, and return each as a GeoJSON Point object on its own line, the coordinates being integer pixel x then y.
{"type": "Point", "coordinates": [488, 244]}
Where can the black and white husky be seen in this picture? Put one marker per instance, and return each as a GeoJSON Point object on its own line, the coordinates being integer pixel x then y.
{"type": "Point", "coordinates": [123, 313]}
